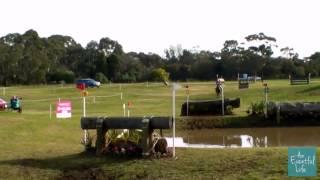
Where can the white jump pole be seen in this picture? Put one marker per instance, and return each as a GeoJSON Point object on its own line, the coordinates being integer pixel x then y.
{"type": "Point", "coordinates": [50, 109]}
{"type": "Point", "coordinates": [84, 106]}
{"type": "Point", "coordinates": [175, 86]}
{"type": "Point", "coordinates": [174, 121]}
{"type": "Point", "coordinates": [124, 110]}
{"type": "Point", "coordinates": [84, 115]}
{"type": "Point", "coordinates": [222, 99]}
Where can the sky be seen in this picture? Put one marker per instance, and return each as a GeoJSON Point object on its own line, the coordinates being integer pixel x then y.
{"type": "Point", "coordinates": [155, 25]}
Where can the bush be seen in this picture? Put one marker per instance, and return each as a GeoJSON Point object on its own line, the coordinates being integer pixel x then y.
{"type": "Point", "coordinates": [128, 78]}
{"type": "Point", "coordinates": [159, 75]}
{"type": "Point", "coordinates": [60, 76]}
{"type": "Point", "coordinates": [101, 77]}
{"type": "Point", "coordinates": [257, 108]}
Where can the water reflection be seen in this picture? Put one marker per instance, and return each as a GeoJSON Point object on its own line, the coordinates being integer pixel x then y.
{"type": "Point", "coordinates": [178, 142]}
{"type": "Point", "coordinates": [248, 137]}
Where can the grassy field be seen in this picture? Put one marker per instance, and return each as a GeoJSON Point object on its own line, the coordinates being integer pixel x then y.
{"type": "Point", "coordinates": [33, 146]}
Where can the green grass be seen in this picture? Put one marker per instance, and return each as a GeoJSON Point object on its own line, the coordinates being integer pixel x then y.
{"type": "Point", "coordinates": [33, 146]}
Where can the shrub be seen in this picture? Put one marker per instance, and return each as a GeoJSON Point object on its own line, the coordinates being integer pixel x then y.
{"type": "Point", "coordinates": [101, 77]}
{"type": "Point", "coordinates": [159, 75]}
{"type": "Point", "coordinates": [61, 75]}
{"type": "Point", "coordinates": [257, 108]}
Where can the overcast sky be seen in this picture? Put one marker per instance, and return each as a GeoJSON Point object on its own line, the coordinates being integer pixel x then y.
{"type": "Point", "coordinates": [154, 25]}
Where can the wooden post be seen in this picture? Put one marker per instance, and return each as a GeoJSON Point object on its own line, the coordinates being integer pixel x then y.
{"type": "Point", "coordinates": [50, 109]}
{"type": "Point", "coordinates": [188, 105]}
{"type": "Point", "coordinates": [255, 77]}
{"type": "Point", "coordinates": [290, 79]}
{"type": "Point", "coordinates": [278, 113]}
{"type": "Point", "coordinates": [222, 99]}
{"type": "Point", "coordinates": [150, 138]}
{"type": "Point", "coordinates": [266, 91]}
{"type": "Point", "coordinates": [101, 140]}
{"type": "Point", "coordinates": [145, 137]}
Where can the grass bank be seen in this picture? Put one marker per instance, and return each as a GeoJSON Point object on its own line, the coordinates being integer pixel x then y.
{"type": "Point", "coordinates": [270, 163]}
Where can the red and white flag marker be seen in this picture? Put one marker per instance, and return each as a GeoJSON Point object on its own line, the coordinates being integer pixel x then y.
{"type": "Point", "coordinates": [63, 109]}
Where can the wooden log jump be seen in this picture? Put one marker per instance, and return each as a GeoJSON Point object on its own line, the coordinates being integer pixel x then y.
{"type": "Point", "coordinates": [243, 83]}
{"type": "Point", "coordinates": [147, 124]}
{"type": "Point", "coordinates": [299, 81]}
{"type": "Point", "coordinates": [296, 112]}
{"type": "Point", "coordinates": [209, 107]}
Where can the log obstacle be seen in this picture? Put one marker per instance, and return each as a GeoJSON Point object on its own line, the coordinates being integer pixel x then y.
{"type": "Point", "coordinates": [243, 83]}
{"type": "Point", "coordinates": [146, 124]}
{"type": "Point", "coordinates": [295, 112]}
{"type": "Point", "coordinates": [299, 80]}
{"type": "Point", "coordinates": [210, 107]}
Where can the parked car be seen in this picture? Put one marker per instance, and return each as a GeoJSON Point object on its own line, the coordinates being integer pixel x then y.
{"type": "Point", "coordinates": [3, 104]}
{"type": "Point", "coordinates": [88, 83]}
{"type": "Point", "coordinates": [251, 78]}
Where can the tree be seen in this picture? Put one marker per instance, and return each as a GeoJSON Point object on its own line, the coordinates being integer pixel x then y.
{"type": "Point", "coordinates": [187, 57]}
{"type": "Point", "coordinates": [203, 69]}
{"type": "Point", "coordinates": [109, 46]}
{"type": "Point", "coordinates": [34, 62]}
{"type": "Point", "coordinates": [287, 67]}
{"type": "Point", "coordinates": [101, 77]}
{"type": "Point", "coordinates": [150, 60]}
{"type": "Point", "coordinates": [264, 44]}
{"type": "Point", "coordinates": [230, 48]}
{"type": "Point", "coordinates": [252, 63]}
{"type": "Point", "coordinates": [60, 75]}
{"type": "Point", "coordinates": [231, 58]}
{"type": "Point", "coordinates": [174, 53]}
{"type": "Point", "coordinates": [289, 53]}
{"type": "Point", "coordinates": [159, 74]}
{"type": "Point", "coordinates": [314, 64]}
{"type": "Point", "coordinates": [29, 59]}
{"type": "Point", "coordinates": [272, 69]}
{"type": "Point", "coordinates": [113, 65]}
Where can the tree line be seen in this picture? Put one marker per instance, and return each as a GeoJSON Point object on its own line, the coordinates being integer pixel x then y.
{"type": "Point", "coordinates": [30, 59]}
